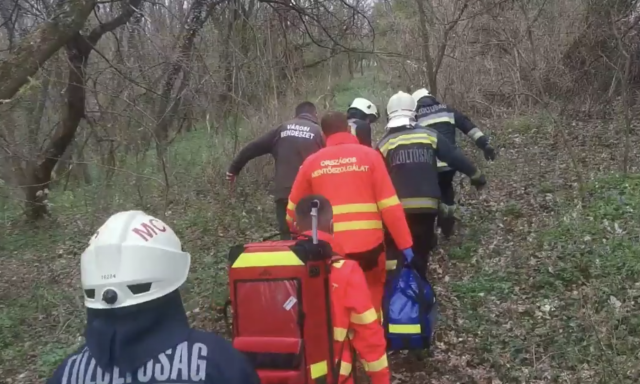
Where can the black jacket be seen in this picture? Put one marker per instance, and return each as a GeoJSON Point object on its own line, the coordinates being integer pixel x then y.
{"type": "Point", "coordinates": [410, 153]}
{"type": "Point", "coordinates": [152, 343]}
{"type": "Point", "coordinates": [362, 130]}
{"type": "Point", "coordinates": [444, 119]}
{"type": "Point", "coordinates": [289, 144]}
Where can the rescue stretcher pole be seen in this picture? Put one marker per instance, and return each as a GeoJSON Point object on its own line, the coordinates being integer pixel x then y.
{"type": "Point", "coordinates": [315, 205]}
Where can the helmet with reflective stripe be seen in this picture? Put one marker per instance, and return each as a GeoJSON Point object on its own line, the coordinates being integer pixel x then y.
{"type": "Point", "coordinates": [365, 106]}
{"type": "Point", "coordinates": [420, 93]}
{"type": "Point", "coordinates": [133, 258]}
{"type": "Point", "coordinates": [401, 110]}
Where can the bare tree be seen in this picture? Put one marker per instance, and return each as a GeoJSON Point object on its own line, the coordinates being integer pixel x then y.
{"type": "Point", "coordinates": [36, 48]}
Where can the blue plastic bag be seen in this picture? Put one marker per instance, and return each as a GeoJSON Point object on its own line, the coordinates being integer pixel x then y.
{"type": "Point", "coordinates": [410, 311]}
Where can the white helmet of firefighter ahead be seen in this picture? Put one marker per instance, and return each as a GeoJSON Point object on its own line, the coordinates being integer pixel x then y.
{"type": "Point", "coordinates": [133, 258]}
{"type": "Point", "coordinates": [420, 93]}
{"type": "Point", "coordinates": [365, 106]}
{"type": "Point", "coordinates": [401, 110]}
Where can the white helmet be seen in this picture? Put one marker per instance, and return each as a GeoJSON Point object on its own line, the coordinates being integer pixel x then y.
{"type": "Point", "coordinates": [420, 93]}
{"type": "Point", "coordinates": [401, 110]}
{"type": "Point", "coordinates": [133, 258]}
{"type": "Point", "coordinates": [365, 106]}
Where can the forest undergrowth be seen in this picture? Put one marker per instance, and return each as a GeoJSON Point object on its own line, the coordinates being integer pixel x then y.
{"type": "Point", "coordinates": [540, 285]}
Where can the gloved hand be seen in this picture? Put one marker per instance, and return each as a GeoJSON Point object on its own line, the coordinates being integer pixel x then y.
{"type": "Point", "coordinates": [478, 180]}
{"type": "Point", "coordinates": [489, 153]}
{"type": "Point", "coordinates": [231, 177]}
{"type": "Point", "coordinates": [408, 254]}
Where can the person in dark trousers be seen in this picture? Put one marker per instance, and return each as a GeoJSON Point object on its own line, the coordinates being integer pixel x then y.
{"type": "Point", "coordinates": [410, 153]}
{"type": "Point", "coordinates": [444, 119]}
{"type": "Point", "coordinates": [361, 114]}
{"type": "Point", "coordinates": [137, 329]}
{"type": "Point", "coordinates": [289, 144]}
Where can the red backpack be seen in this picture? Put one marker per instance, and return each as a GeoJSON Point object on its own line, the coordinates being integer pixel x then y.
{"type": "Point", "coordinates": [281, 310]}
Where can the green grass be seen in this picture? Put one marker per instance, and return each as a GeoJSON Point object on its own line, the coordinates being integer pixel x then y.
{"type": "Point", "coordinates": [41, 313]}
{"type": "Point", "coordinates": [525, 301]}
{"type": "Point", "coordinates": [573, 303]}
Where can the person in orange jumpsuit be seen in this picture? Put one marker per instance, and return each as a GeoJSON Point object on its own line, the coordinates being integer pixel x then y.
{"type": "Point", "coordinates": [354, 319]}
{"type": "Point", "coordinates": [355, 180]}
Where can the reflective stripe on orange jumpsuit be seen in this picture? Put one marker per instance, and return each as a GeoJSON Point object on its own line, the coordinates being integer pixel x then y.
{"type": "Point", "coordinates": [354, 179]}
{"type": "Point", "coordinates": [353, 315]}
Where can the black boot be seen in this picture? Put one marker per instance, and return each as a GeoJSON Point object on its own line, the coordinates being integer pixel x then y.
{"type": "Point", "coordinates": [447, 226]}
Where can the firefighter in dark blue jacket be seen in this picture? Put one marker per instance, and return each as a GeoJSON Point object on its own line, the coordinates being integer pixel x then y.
{"type": "Point", "coordinates": [410, 152]}
{"type": "Point", "coordinates": [361, 114]}
{"type": "Point", "coordinates": [444, 119]}
{"type": "Point", "coordinates": [137, 329]}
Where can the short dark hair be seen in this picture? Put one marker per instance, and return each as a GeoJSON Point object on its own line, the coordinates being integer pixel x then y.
{"type": "Point", "coordinates": [303, 213]}
{"type": "Point", "coordinates": [334, 122]}
{"type": "Point", "coordinates": [306, 107]}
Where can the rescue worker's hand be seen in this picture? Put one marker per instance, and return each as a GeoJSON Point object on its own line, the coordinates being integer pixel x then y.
{"type": "Point", "coordinates": [478, 180]}
{"type": "Point", "coordinates": [408, 254]}
{"type": "Point", "coordinates": [489, 153]}
{"type": "Point", "coordinates": [231, 177]}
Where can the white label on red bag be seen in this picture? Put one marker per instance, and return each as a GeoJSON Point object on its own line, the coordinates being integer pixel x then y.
{"type": "Point", "coordinates": [290, 303]}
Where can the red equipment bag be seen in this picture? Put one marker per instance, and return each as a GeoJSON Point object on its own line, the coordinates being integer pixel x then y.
{"type": "Point", "coordinates": [281, 310]}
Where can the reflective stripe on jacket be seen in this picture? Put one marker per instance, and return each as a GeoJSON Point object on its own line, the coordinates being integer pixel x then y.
{"type": "Point", "coordinates": [354, 179]}
{"type": "Point", "coordinates": [410, 156]}
{"type": "Point", "coordinates": [410, 153]}
{"type": "Point", "coordinates": [445, 120]}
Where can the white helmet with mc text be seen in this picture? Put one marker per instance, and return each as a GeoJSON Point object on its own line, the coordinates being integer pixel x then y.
{"type": "Point", "coordinates": [133, 258]}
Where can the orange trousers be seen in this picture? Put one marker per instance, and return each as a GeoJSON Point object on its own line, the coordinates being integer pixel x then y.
{"type": "Point", "coordinates": [375, 281]}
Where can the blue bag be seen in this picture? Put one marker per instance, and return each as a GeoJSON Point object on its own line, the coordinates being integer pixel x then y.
{"type": "Point", "coordinates": [410, 310]}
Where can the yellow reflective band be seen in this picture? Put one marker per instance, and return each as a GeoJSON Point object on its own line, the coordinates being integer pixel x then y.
{"type": "Point", "coordinates": [414, 138]}
{"type": "Point", "coordinates": [390, 265]}
{"type": "Point", "coordinates": [420, 202]}
{"type": "Point", "coordinates": [345, 368]}
{"type": "Point", "coordinates": [354, 208]}
{"type": "Point", "coordinates": [338, 264]}
{"type": "Point", "coordinates": [441, 164]}
{"type": "Point", "coordinates": [364, 318]}
{"type": "Point", "coordinates": [475, 134]}
{"type": "Point", "coordinates": [375, 366]}
{"type": "Point", "coordinates": [438, 120]}
{"type": "Point", "coordinates": [319, 369]}
{"type": "Point", "coordinates": [291, 206]}
{"type": "Point", "coordinates": [266, 259]}
{"type": "Point", "coordinates": [405, 328]}
{"type": "Point", "coordinates": [289, 218]}
{"type": "Point", "coordinates": [389, 202]}
{"type": "Point", "coordinates": [339, 334]}
{"type": "Point", "coordinates": [356, 225]}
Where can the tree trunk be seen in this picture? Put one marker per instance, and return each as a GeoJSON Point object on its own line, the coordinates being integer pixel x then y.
{"type": "Point", "coordinates": [198, 15]}
{"type": "Point", "coordinates": [36, 48]}
{"type": "Point", "coordinates": [78, 50]}
{"type": "Point", "coordinates": [37, 112]}
{"type": "Point", "coordinates": [7, 8]}
{"type": "Point", "coordinates": [432, 76]}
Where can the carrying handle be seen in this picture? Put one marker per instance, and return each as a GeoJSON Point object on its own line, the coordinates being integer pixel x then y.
{"type": "Point", "coordinates": [315, 205]}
